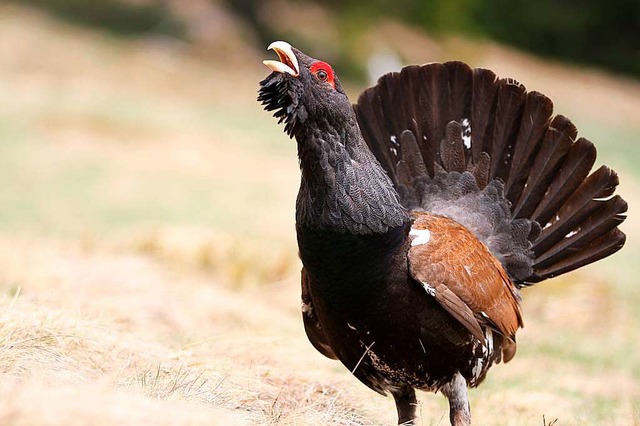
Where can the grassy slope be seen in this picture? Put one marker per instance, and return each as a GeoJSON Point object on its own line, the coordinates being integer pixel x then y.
{"type": "Point", "coordinates": [147, 258]}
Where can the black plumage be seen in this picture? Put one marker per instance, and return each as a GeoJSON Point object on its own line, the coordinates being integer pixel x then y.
{"type": "Point", "coordinates": [535, 155]}
{"type": "Point", "coordinates": [423, 208]}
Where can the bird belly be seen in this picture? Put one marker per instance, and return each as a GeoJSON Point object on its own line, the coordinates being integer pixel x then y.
{"type": "Point", "coordinates": [398, 337]}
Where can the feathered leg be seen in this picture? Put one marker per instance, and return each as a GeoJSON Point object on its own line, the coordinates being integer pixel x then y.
{"type": "Point", "coordinates": [456, 393]}
{"type": "Point", "coordinates": [406, 402]}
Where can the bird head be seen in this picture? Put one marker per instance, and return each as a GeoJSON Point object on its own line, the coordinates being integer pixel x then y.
{"type": "Point", "coordinates": [302, 89]}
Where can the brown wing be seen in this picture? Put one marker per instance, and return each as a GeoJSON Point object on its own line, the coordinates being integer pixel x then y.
{"type": "Point", "coordinates": [312, 327]}
{"type": "Point", "coordinates": [463, 276]}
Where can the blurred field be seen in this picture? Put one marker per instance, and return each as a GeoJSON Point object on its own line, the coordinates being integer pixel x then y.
{"type": "Point", "coordinates": [148, 269]}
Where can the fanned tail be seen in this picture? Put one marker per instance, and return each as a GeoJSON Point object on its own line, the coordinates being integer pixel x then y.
{"type": "Point", "coordinates": [463, 142]}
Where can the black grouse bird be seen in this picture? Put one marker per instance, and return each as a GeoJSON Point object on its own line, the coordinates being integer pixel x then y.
{"type": "Point", "coordinates": [422, 211]}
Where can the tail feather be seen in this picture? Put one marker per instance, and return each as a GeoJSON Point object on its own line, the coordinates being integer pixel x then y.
{"type": "Point", "coordinates": [564, 125]}
{"type": "Point", "coordinates": [582, 204]}
{"type": "Point", "coordinates": [510, 102]}
{"type": "Point", "coordinates": [460, 89]}
{"type": "Point", "coordinates": [554, 147]}
{"type": "Point", "coordinates": [411, 155]}
{"type": "Point", "coordinates": [481, 169]}
{"type": "Point", "coordinates": [372, 131]}
{"type": "Point", "coordinates": [598, 249]}
{"type": "Point", "coordinates": [434, 102]}
{"type": "Point", "coordinates": [394, 108]}
{"type": "Point", "coordinates": [434, 109]}
{"type": "Point", "coordinates": [600, 222]}
{"type": "Point", "coordinates": [575, 167]}
{"type": "Point", "coordinates": [409, 167]}
{"type": "Point", "coordinates": [537, 110]}
{"type": "Point", "coordinates": [427, 122]}
{"type": "Point", "coordinates": [452, 149]}
{"type": "Point", "coordinates": [482, 109]}
{"type": "Point", "coordinates": [416, 96]}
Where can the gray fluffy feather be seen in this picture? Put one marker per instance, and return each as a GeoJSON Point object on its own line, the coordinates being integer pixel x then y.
{"type": "Point", "coordinates": [485, 212]}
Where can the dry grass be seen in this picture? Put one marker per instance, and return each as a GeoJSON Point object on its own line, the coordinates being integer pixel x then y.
{"type": "Point", "coordinates": [147, 256]}
{"type": "Point", "coordinates": [99, 325]}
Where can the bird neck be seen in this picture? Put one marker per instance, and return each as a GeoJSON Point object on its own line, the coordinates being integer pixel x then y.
{"type": "Point", "coordinates": [343, 187]}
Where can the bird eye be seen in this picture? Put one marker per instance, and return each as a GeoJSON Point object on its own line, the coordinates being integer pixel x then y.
{"type": "Point", "coordinates": [323, 72]}
{"type": "Point", "coordinates": [322, 75]}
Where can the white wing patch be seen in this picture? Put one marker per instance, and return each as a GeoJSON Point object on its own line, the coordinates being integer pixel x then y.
{"type": "Point", "coordinates": [428, 288]}
{"type": "Point", "coordinates": [419, 236]}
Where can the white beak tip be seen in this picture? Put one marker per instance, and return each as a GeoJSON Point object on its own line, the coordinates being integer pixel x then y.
{"type": "Point", "coordinates": [282, 45]}
{"type": "Point", "coordinates": [286, 56]}
{"type": "Point", "coordinates": [278, 66]}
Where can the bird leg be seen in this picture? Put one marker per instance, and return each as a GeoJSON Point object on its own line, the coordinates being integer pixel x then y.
{"type": "Point", "coordinates": [456, 393]}
{"type": "Point", "coordinates": [406, 402]}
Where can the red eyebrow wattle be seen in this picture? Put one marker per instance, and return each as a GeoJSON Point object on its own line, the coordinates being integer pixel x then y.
{"type": "Point", "coordinates": [320, 65]}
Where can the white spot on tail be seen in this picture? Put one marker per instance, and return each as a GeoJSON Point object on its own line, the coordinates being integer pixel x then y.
{"type": "Point", "coordinates": [394, 143]}
{"type": "Point", "coordinates": [571, 234]}
{"type": "Point", "coordinates": [350, 326]}
{"type": "Point", "coordinates": [419, 236]}
{"type": "Point", "coordinates": [603, 198]}
{"type": "Point", "coordinates": [466, 132]}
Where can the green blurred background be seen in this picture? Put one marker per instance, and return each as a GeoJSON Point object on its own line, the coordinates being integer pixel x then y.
{"type": "Point", "coordinates": [590, 32]}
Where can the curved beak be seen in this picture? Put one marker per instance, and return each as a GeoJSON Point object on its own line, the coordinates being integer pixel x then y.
{"type": "Point", "coordinates": [288, 62]}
